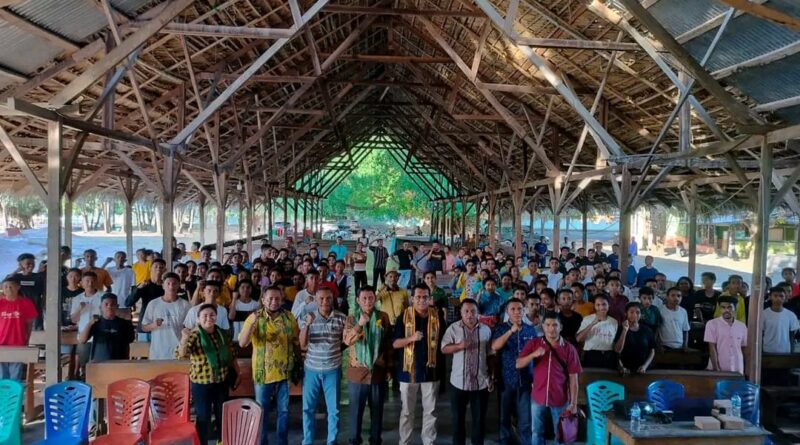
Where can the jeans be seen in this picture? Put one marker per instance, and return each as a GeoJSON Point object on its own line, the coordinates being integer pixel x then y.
{"type": "Point", "coordinates": [515, 400]}
{"type": "Point", "coordinates": [405, 278]}
{"type": "Point", "coordinates": [279, 391]}
{"type": "Point", "coordinates": [408, 400]}
{"type": "Point", "coordinates": [84, 354]}
{"type": "Point", "coordinates": [537, 413]}
{"type": "Point", "coordinates": [378, 273]}
{"type": "Point", "coordinates": [361, 395]}
{"type": "Point", "coordinates": [315, 382]}
{"type": "Point", "coordinates": [207, 399]}
{"type": "Point", "coordinates": [12, 371]}
{"type": "Point", "coordinates": [478, 401]}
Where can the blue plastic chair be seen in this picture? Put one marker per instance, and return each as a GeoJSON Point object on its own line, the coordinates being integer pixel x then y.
{"type": "Point", "coordinates": [67, 406]}
{"type": "Point", "coordinates": [662, 393]}
{"type": "Point", "coordinates": [601, 396]}
{"type": "Point", "coordinates": [749, 393]}
{"type": "Point", "coordinates": [11, 412]}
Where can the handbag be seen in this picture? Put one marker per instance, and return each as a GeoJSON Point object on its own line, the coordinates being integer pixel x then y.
{"type": "Point", "coordinates": [568, 422]}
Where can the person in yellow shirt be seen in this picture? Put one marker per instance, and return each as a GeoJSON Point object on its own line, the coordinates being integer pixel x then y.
{"type": "Point", "coordinates": [223, 299]}
{"type": "Point", "coordinates": [195, 252]}
{"type": "Point", "coordinates": [391, 298]}
{"type": "Point", "coordinates": [141, 268]}
{"type": "Point", "coordinates": [582, 305]}
{"type": "Point", "coordinates": [735, 289]}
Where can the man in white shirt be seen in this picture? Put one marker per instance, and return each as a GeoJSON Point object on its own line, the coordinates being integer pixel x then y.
{"type": "Point", "coordinates": [304, 300]}
{"type": "Point", "coordinates": [84, 307]}
{"type": "Point", "coordinates": [210, 293]}
{"type": "Point", "coordinates": [164, 318]}
{"type": "Point", "coordinates": [123, 277]}
{"type": "Point", "coordinates": [674, 332]}
{"type": "Point", "coordinates": [554, 277]}
{"type": "Point", "coordinates": [779, 326]}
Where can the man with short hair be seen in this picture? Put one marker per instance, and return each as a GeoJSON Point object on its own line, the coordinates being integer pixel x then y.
{"type": "Point", "coordinates": [304, 301]}
{"type": "Point", "coordinates": [17, 315]}
{"type": "Point", "coordinates": [556, 367]}
{"type": "Point", "coordinates": [779, 327]}
{"type": "Point", "coordinates": [404, 256]}
{"type": "Point", "coordinates": [111, 335]}
{"type": "Point", "coordinates": [646, 271]}
{"type": "Point", "coordinates": [418, 333]}
{"type": "Point", "coordinates": [735, 289]}
{"type": "Point", "coordinates": [509, 339]}
{"type": "Point", "coordinates": [379, 264]}
{"type": "Point", "coordinates": [210, 292]}
{"type": "Point", "coordinates": [163, 319]}
{"type": "Point", "coordinates": [149, 289]}
{"type": "Point", "coordinates": [789, 276]}
{"type": "Point", "coordinates": [274, 333]}
{"type": "Point", "coordinates": [141, 268]}
{"type": "Point", "coordinates": [322, 335]}
{"type": "Point", "coordinates": [392, 299]}
{"type": "Point", "coordinates": [104, 280]}
{"type": "Point", "coordinates": [122, 276]}
{"type": "Point", "coordinates": [84, 307]}
{"type": "Point", "coordinates": [674, 332]}
{"type": "Point", "coordinates": [339, 249]}
{"type": "Point", "coordinates": [368, 333]}
{"type": "Point", "coordinates": [436, 258]}
{"type": "Point", "coordinates": [540, 251]}
{"type": "Point", "coordinates": [727, 338]}
{"type": "Point", "coordinates": [468, 342]}
{"type": "Point", "coordinates": [32, 285]}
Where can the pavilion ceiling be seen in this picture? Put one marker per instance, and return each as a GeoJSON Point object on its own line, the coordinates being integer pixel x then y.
{"type": "Point", "coordinates": [459, 94]}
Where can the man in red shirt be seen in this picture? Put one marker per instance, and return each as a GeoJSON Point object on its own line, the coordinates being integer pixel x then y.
{"type": "Point", "coordinates": [17, 315]}
{"type": "Point", "coordinates": [555, 375]}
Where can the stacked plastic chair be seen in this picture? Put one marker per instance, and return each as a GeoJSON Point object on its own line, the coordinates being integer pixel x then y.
{"type": "Point", "coordinates": [241, 422]}
{"type": "Point", "coordinates": [128, 408]}
{"type": "Point", "coordinates": [66, 413]}
{"type": "Point", "coordinates": [170, 408]}
{"type": "Point", "coordinates": [749, 393]}
{"type": "Point", "coordinates": [663, 393]}
{"type": "Point", "coordinates": [11, 412]}
{"type": "Point", "coordinates": [601, 396]}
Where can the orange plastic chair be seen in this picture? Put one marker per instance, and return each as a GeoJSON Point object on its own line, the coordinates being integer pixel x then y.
{"type": "Point", "coordinates": [241, 422]}
{"type": "Point", "coordinates": [128, 406]}
{"type": "Point", "coordinates": [169, 410]}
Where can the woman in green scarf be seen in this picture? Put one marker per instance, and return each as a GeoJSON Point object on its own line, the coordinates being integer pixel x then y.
{"type": "Point", "coordinates": [368, 331]}
{"type": "Point", "coordinates": [214, 370]}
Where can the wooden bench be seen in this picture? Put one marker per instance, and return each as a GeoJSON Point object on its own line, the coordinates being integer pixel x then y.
{"type": "Point", "coordinates": [30, 357]}
{"type": "Point", "coordinates": [694, 359]}
{"type": "Point", "coordinates": [773, 396]}
{"type": "Point", "coordinates": [139, 350]}
{"type": "Point", "coordinates": [698, 384]}
{"type": "Point", "coordinates": [68, 338]}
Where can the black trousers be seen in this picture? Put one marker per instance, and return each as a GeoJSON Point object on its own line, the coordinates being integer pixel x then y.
{"type": "Point", "coordinates": [376, 273]}
{"type": "Point", "coordinates": [207, 400]}
{"type": "Point", "coordinates": [360, 278]}
{"type": "Point", "coordinates": [600, 359]}
{"type": "Point", "coordinates": [478, 402]}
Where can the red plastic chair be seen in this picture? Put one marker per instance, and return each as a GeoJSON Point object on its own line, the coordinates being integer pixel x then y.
{"type": "Point", "coordinates": [169, 408]}
{"type": "Point", "coordinates": [128, 405]}
{"type": "Point", "coordinates": [241, 422]}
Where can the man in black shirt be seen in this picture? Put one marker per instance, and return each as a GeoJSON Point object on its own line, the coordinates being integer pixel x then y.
{"type": "Point", "coordinates": [634, 342]}
{"type": "Point", "coordinates": [149, 289]}
{"type": "Point", "coordinates": [436, 258]}
{"type": "Point", "coordinates": [701, 304]}
{"type": "Point", "coordinates": [403, 256]}
{"type": "Point", "coordinates": [570, 320]}
{"type": "Point", "coordinates": [31, 285]}
{"type": "Point", "coordinates": [111, 335]}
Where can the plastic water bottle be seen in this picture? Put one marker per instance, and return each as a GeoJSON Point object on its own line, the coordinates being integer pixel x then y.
{"type": "Point", "coordinates": [736, 405]}
{"type": "Point", "coordinates": [636, 417]}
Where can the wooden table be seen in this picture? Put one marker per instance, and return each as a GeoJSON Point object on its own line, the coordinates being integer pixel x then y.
{"type": "Point", "coordinates": [680, 433]}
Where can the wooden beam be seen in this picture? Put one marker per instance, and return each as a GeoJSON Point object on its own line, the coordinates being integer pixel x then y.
{"type": "Point", "coordinates": [765, 13]}
{"type": "Point", "coordinates": [202, 30]}
{"type": "Point", "coordinates": [778, 104]}
{"type": "Point", "coordinates": [34, 182]}
{"type": "Point", "coordinates": [118, 54]}
{"type": "Point", "coordinates": [391, 58]}
{"type": "Point", "coordinates": [251, 70]}
{"type": "Point", "coordinates": [576, 44]}
{"type": "Point", "coordinates": [345, 9]}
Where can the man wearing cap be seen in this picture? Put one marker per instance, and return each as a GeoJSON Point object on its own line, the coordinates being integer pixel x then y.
{"type": "Point", "coordinates": [17, 315]}
{"type": "Point", "coordinates": [111, 335]}
{"type": "Point", "coordinates": [391, 298]}
{"type": "Point", "coordinates": [31, 285]}
{"type": "Point", "coordinates": [726, 337]}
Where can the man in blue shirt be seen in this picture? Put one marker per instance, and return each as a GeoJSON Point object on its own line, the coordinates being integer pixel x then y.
{"type": "Point", "coordinates": [508, 340]}
{"type": "Point", "coordinates": [338, 249]}
{"type": "Point", "coordinates": [647, 271]}
{"type": "Point", "coordinates": [540, 249]}
{"type": "Point", "coordinates": [614, 257]}
{"type": "Point", "coordinates": [489, 302]}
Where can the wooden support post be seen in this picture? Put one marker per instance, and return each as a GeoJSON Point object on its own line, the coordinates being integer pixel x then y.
{"type": "Point", "coordinates": [285, 214]}
{"type": "Point", "coordinates": [268, 219]}
{"type": "Point", "coordinates": [463, 222]}
{"type": "Point", "coordinates": [556, 235]}
{"type": "Point", "coordinates": [295, 226]}
{"type": "Point", "coordinates": [202, 216]}
{"type": "Point", "coordinates": [240, 218]}
{"type": "Point", "coordinates": [305, 216]}
{"type": "Point", "coordinates": [128, 227]}
{"type": "Point", "coordinates": [518, 199]}
{"type": "Point", "coordinates": [168, 202]}
{"type": "Point", "coordinates": [691, 236]}
{"type": "Point", "coordinates": [760, 249]}
{"type": "Point", "coordinates": [68, 203]}
{"type": "Point", "coordinates": [222, 203]}
{"type": "Point", "coordinates": [478, 211]}
{"type": "Point", "coordinates": [490, 221]}
{"type": "Point", "coordinates": [53, 276]}
{"type": "Point", "coordinates": [585, 229]}
{"type": "Point", "coordinates": [249, 231]}
{"type": "Point", "coordinates": [531, 239]}
{"type": "Point", "coordinates": [797, 248]}
{"type": "Point", "coordinates": [624, 244]}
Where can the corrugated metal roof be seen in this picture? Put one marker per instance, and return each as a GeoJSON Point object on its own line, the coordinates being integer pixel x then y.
{"type": "Point", "coordinates": [745, 37]}
{"type": "Point", "coordinates": [775, 81]}
{"type": "Point", "coordinates": [679, 16]}
{"type": "Point", "coordinates": [74, 19]}
{"type": "Point", "coordinates": [24, 52]}
{"type": "Point", "coordinates": [130, 7]}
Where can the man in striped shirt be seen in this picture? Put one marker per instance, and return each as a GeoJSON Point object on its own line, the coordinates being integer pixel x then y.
{"type": "Point", "coordinates": [322, 337]}
{"type": "Point", "coordinates": [379, 265]}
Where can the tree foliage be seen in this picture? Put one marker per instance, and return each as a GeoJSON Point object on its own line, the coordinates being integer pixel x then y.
{"type": "Point", "coordinates": [378, 189]}
{"type": "Point", "coordinates": [19, 211]}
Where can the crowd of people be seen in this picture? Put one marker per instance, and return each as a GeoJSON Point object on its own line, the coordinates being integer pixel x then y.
{"type": "Point", "coordinates": [524, 326]}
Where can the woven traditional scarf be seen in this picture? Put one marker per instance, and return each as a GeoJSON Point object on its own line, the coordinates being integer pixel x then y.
{"type": "Point", "coordinates": [431, 336]}
{"type": "Point", "coordinates": [216, 350]}
{"type": "Point", "coordinates": [367, 351]}
{"type": "Point", "coordinates": [267, 332]}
